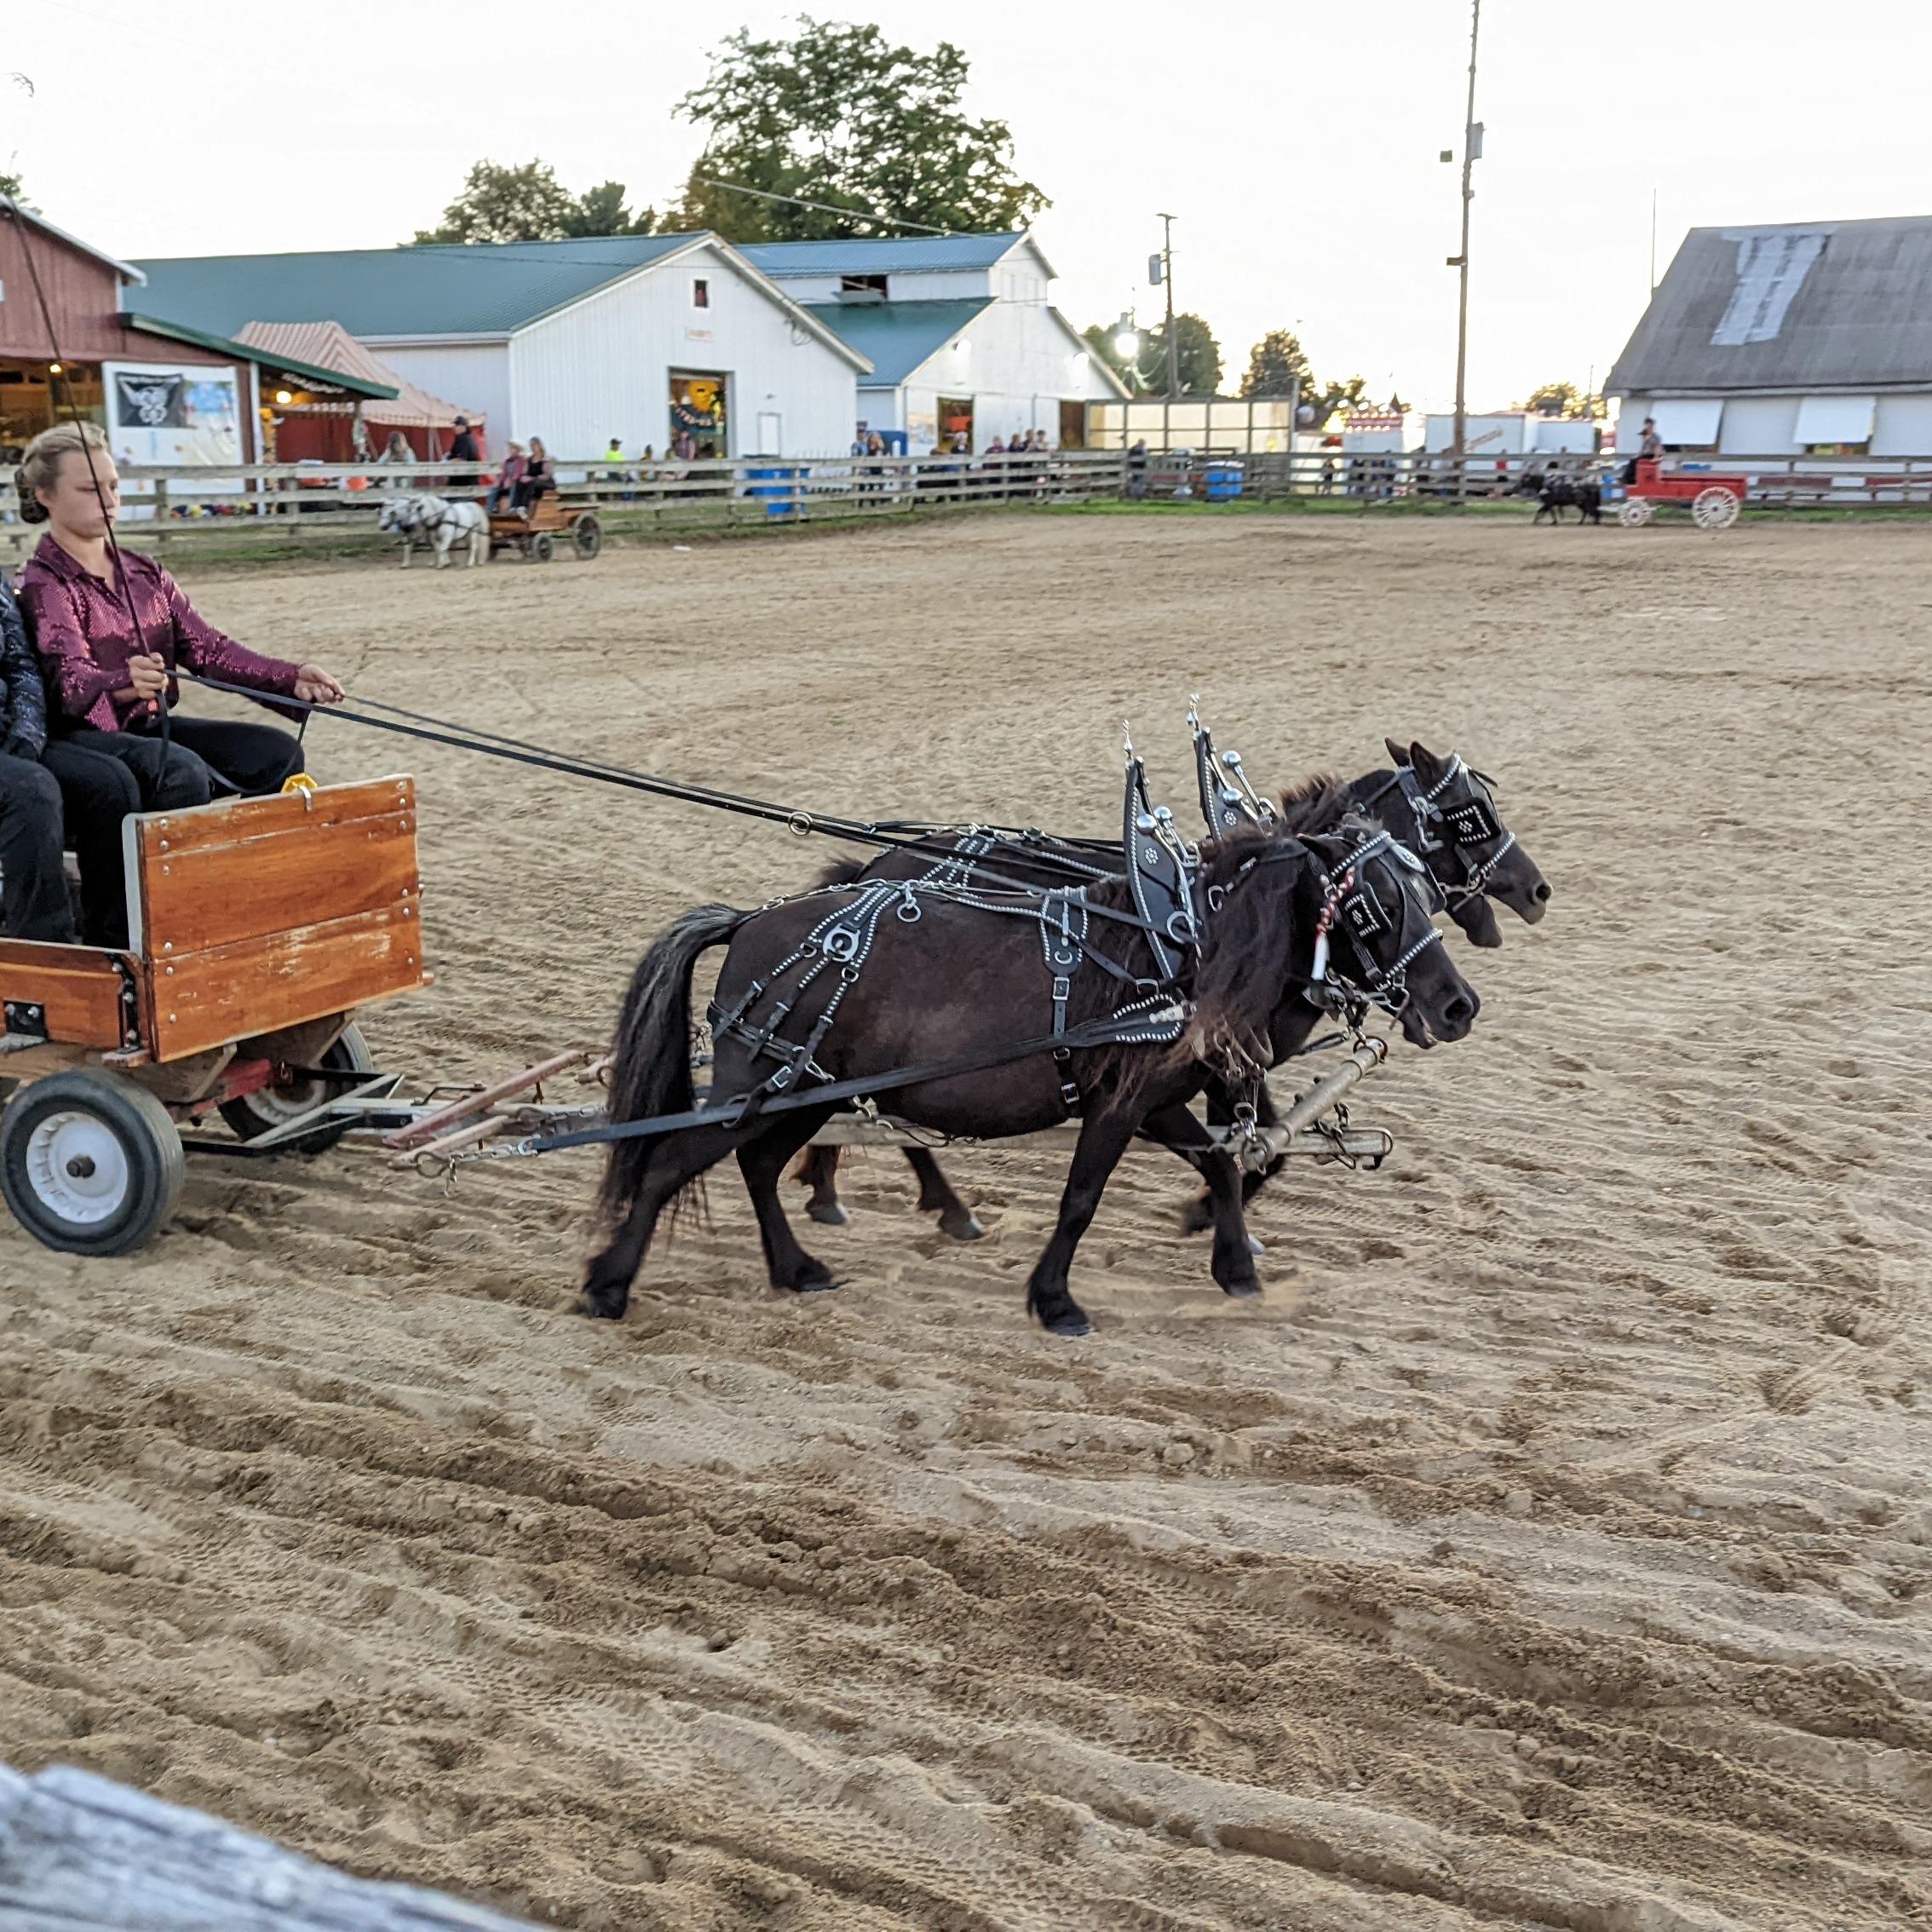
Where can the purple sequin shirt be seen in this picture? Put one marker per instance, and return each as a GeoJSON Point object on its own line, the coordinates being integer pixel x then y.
{"type": "Point", "coordinates": [82, 631]}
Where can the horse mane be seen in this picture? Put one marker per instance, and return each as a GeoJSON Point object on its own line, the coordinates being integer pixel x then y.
{"type": "Point", "coordinates": [1315, 803]}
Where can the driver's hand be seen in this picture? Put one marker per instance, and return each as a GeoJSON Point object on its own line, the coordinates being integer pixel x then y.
{"type": "Point", "coordinates": [149, 676]}
{"type": "Point", "coordinates": [315, 686]}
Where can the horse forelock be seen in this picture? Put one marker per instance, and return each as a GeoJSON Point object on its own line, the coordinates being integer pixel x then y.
{"type": "Point", "coordinates": [1315, 803]}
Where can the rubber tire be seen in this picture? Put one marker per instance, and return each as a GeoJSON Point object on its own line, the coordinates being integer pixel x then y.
{"type": "Point", "coordinates": [149, 1141]}
{"type": "Point", "coordinates": [588, 534]}
{"type": "Point", "coordinates": [541, 549]}
{"type": "Point", "coordinates": [250, 1116]}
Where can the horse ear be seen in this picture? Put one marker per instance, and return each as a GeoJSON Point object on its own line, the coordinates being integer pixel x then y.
{"type": "Point", "coordinates": [1426, 765]}
{"type": "Point", "coordinates": [1396, 751]}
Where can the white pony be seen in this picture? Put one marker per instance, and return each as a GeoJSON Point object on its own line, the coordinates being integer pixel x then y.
{"type": "Point", "coordinates": [440, 521]}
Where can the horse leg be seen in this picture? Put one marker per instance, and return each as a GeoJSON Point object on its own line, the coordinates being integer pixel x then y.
{"type": "Point", "coordinates": [1234, 1263]}
{"type": "Point", "coordinates": [1103, 1139]}
{"type": "Point", "coordinates": [936, 1197]}
{"type": "Point", "coordinates": [761, 1161]}
{"type": "Point", "coordinates": [675, 1161]}
{"type": "Point", "coordinates": [819, 1171]}
{"type": "Point", "coordinates": [1200, 1211]}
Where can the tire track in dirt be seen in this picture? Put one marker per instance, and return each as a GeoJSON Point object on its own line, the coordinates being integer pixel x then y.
{"type": "Point", "coordinates": [1549, 1546]}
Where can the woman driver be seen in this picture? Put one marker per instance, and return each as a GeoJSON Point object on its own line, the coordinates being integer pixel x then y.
{"type": "Point", "coordinates": [110, 680]}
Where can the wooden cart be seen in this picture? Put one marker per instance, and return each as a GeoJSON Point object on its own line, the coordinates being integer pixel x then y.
{"type": "Point", "coordinates": [1714, 502]}
{"type": "Point", "coordinates": [535, 531]}
{"type": "Point", "coordinates": [260, 926]}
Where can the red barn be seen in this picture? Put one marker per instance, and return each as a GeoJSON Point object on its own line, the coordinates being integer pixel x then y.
{"type": "Point", "coordinates": [164, 393]}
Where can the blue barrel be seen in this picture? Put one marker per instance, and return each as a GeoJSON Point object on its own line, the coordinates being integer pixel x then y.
{"type": "Point", "coordinates": [1223, 481]}
{"type": "Point", "coordinates": [778, 491]}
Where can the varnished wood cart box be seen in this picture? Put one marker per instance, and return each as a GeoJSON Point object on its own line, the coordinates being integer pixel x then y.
{"type": "Point", "coordinates": [259, 926]}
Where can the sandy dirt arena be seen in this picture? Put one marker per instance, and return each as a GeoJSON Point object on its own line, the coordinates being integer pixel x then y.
{"type": "Point", "coordinates": [1547, 1548]}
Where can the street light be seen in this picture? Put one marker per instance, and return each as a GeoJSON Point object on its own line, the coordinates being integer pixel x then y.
{"type": "Point", "coordinates": [1127, 344]}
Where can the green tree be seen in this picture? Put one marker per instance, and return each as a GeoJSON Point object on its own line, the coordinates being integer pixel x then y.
{"type": "Point", "coordinates": [600, 211]}
{"type": "Point", "coordinates": [839, 115]}
{"type": "Point", "coordinates": [1565, 400]}
{"type": "Point", "coordinates": [502, 203]}
{"type": "Point", "coordinates": [14, 188]}
{"type": "Point", "coordinates": [1100, 339]}
{"type": "Point", "coordinates": [1199, 357]}
{"type": "Point", "coordinates": [1277, 366]}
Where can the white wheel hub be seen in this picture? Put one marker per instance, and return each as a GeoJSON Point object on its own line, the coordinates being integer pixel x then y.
{"type": "Point", "coordinates": [78, 1167]}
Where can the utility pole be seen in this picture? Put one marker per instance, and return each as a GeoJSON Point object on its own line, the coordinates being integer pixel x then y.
{"type": "Point", "coordinates": [1472, 150]}
{"type": "Point", "coordinates": [1167, 282]}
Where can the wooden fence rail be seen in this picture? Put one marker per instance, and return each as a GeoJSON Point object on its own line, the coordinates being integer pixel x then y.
{"type": "Point", "coordinates": [166, 506]}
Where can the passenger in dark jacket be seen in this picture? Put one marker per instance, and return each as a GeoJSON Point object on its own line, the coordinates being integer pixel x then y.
{"type": "Point", "coordinates": [34, 902]}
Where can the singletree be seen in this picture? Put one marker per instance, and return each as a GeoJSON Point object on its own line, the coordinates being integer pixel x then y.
{"type": "Point", "coordinates": [841, 116]}
{"type": "Point", "coordinates": [500, 204]}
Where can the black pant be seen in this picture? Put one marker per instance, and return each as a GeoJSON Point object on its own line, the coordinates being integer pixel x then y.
{"type": "Point", "coordinates": [35, 904]}
{"type": "Point", "coordinates": [205, 757]}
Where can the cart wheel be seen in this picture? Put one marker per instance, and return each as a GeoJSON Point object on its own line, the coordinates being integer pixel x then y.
{"type": "Point", "coordinates": [1635, 512]}
{"type": "Point", "coordinates": [269, 1107]}
{"type": "Point", "coordinates": [90, 1163]}
{"type": "Point", "coordinates": [541, 549]}
{"type": "Point", "coordinates": [588, 534]}
{"type": "Point", "coordinates": [1713, 508]}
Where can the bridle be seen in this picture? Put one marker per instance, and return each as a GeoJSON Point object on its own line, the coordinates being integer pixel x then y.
{"type": "Point", "coordinates": [1349, 903]}
{"type": "Point", "coordinates": [1471, 823]}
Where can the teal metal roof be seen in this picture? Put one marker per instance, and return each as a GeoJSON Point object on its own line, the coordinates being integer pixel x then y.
{"type": "Point", "coordinates": [910, 255]}
{"type": "Point", "coordinates": [490, 289]}
{"type": "Point", "coordinates": [897, 337]}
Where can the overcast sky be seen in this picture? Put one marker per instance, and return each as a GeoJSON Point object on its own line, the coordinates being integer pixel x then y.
{"type": "Point", "coordinates": [1296, 141]}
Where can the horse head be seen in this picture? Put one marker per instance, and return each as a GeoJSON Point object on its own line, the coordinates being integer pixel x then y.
{"type": "Point", "coordinates": [1377, 940]}
{"type": "Point", "coordinates": [1474, 856]}
{"type": "Point", "coordinates": [397, 514]}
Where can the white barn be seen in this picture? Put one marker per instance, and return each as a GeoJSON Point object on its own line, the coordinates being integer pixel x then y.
{"type": "Point", "coordinates": [960, 331]}
{"type": "Point", "coordinates": [1805, 339]}
{"type": "Point", "coordinates": [575, 342]}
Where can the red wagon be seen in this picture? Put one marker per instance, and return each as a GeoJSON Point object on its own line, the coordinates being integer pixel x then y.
{"type": "Point", "coordinates": [1715, 501]}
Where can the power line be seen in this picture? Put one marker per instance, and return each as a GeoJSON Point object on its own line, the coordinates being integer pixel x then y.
{"type": "Point", "coordinates": [822, 207]}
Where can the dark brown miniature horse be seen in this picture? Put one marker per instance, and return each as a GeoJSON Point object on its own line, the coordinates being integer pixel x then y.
{"type": "Point", "coordinates": [956, 981]}
{"type": "Point", "coordinates": [1471, 863]}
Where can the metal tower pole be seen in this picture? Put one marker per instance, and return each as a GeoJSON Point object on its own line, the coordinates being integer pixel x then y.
{"type": "Point", "coordinates": [1470, 141]}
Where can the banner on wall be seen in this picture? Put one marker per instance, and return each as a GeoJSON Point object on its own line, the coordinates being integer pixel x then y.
{"type": "Point", "coordinates": [166, 415]}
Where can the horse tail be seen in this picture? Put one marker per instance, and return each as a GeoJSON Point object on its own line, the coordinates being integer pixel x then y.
{"type": "Point", "coordinates": [650, 1057]}
{"type": "Point", "coordinates": [842, 871]}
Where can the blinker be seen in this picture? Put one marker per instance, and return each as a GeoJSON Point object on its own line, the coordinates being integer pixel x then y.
{"type": "Point", "coordinates": [1471, 822]}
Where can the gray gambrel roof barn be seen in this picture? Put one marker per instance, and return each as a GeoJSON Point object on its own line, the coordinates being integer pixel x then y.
{"type": "Point", "coordinates": [1801, 308]}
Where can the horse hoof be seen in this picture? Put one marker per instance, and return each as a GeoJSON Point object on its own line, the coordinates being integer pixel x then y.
{"type": "Point", "coordinates": [1198, 1219]}
{"type": "Point", "coordinates": [1256, 1247]}
{"type": "Point", "coordinates": [601, 1308]}
{"type": "Point", "coordinates": [962, 1229]}
{"type": "Point", "coordinates": [816, 1283]}
{"type": "Point", "coordinates": [1073, 1323]}
{"type": "Point", "coordinates": [828, 1214]}
{"type": "Point", "coordinates": [1244, 1289]}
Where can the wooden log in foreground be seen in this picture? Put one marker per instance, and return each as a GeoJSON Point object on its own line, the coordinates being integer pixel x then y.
{"type": "Point", "coordinates": [78, 1850]}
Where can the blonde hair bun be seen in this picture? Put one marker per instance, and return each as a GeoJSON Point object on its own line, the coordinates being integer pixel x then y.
{"type": "Point", "coordinates": [41, 461]}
